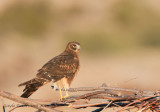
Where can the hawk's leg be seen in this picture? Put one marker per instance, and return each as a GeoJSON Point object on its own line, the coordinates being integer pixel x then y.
{"type": "Point", "coordinates": [55, 87]}
{"type": "Point", "coordinates": [61, 96]}
{"type": "Point", "coordinates": [67, 95]}
{"type": "Point", "coordinates": [60, 91]}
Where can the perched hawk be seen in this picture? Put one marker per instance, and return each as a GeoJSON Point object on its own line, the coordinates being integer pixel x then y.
{"type": "Point", "coordinates": [61, 70]}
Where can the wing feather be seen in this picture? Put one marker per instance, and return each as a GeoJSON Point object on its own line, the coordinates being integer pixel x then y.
{"type": "Point", "coordinates": [59, 67]}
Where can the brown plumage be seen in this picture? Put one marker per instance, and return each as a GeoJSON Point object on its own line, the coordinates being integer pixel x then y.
{"type": "Point", "coordinates": [61, 70]}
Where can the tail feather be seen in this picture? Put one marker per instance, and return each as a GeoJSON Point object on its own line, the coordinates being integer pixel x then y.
{"type": "Point", "coordinates": [31, 86]}
{"type": "Point", "coordinates": [32, 81]}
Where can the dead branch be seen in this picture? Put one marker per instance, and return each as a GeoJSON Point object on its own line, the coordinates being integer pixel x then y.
{"type": "Point", "coordinates": [112, 89]}
{"type": "Point", "coordinates": [125, 99]}
{"type": "Point", "coordinates": [26, 101]}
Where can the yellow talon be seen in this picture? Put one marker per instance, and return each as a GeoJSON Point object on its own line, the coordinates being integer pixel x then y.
{"type": "Point", "coordinates": [67, 95]}
{"type": "Point", "coordinates": [61, 96]}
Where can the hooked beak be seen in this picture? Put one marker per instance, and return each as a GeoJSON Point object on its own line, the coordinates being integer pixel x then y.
{"type": "Point", "coordinates": [78, 47]}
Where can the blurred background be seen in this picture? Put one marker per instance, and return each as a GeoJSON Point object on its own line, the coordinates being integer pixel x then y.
{"type": "Point", "coordinates": [120, 40]}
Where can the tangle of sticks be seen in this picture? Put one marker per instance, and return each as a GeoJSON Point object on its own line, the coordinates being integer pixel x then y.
{"type": "Point", "coordinates": [105, 97]}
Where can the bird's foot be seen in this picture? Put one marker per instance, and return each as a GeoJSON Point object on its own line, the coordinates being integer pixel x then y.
{"type": "Point", "coordinates": [63, 97]}
{"type": "Point", "coordinates": [67, 95]}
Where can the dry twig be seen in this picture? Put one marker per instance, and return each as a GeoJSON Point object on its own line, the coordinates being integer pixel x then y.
{"type": "Point", "coordinates": [26, 101]}
{"type": "Point", "coordinates": [142, 100]}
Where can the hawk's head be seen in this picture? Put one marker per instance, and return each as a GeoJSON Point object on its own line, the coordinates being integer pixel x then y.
{"type": "Point", "coordinates": [73, 47]}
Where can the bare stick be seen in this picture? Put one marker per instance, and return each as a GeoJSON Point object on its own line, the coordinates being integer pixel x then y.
{"type": "Point", "coordinates": [136, 101]}
{"type": "Point", "coordinates": [130, 80]}
{"type": "Point", "coordinates": [89, 105]}
{"type": "Point", "coordinates": [113, 97]}
{"type": "Point", "coordinates": [107, 105]}
{"type": "Point", "coordinates": [145, 92]}
{"type": "Point", "coordinates": [101, 95]}
{"type": "Point", "coordinates": [26, 101]}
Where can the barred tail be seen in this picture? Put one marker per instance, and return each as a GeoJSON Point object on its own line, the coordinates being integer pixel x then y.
{"type": "Point", "coordinates": [31, 86]}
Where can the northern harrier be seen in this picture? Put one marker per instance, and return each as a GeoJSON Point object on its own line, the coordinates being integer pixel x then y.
{"type": "Point", "coordinates": [61, 70]}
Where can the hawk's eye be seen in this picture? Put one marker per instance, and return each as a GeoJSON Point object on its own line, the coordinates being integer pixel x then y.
{"type": "Point", "coordinates": [74, 46]}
